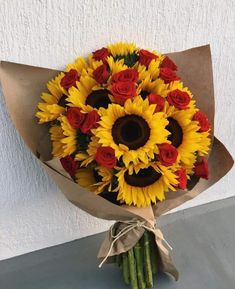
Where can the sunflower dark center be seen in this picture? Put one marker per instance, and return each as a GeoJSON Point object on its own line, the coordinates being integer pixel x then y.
{"type": "Point", "coordinates": [176, 136]}
{"type": "Point", "coordinates": [110, 196]}
{"type": "Point", "coordinates": [144, 178]}
{"type": "Point", "coordinates": [131, 130]}
{"type": "Point", "coordinates": [98, 98]}
{"type": "Point", "coordinates": [144, 93]}
{"type": "Point", "coordinates": [97, 177]}
{"type": "Point", "coordinates": [62, 102]}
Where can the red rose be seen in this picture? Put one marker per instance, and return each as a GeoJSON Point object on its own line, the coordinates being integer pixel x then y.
{"type": "Point", "coordinates": [145, 57]}
{"type": "Point", "coordinates": [168, 63]}
{"type": "Point", "coordinates": [167, 154]}
{"type": "Point", "coordinates": [69, 165]}
{"type": "Point", "coordinates": [129, 74]}
{"type": "Point", "coordinates": [101, 54]}
{"type": "Point", "coordinates": [122, 91]}
{"type": "Point", "coordinates": [178, 98]}
{"type": "Point", "coordinates": [202, 120]}
{"type": "Point", "coordinates": [182, 178]}
{"type": "Point", "coordinates": [201, 169]}
{"type": "Point", "coordinates": [69, 79]}
{"type": "Point", "coordinates": [158, 100]}
{"type": "Point", "coordinates": [75, 117]}
{"type": "Point", "coordinates": [101, 74]}
{"type": "Point", "coordinates": [168, 75]}
{"type": "Point", "coordinates": [90, 122]}
{"type": "Point", "coordinates": [105, 156]}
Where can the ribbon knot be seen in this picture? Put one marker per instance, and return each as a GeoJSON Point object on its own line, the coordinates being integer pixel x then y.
{"type": "Point", "coordinates": [130, 225]}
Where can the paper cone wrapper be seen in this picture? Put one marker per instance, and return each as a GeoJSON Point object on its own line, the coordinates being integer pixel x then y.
{"type": "Point", "coordinates": [22, 86]}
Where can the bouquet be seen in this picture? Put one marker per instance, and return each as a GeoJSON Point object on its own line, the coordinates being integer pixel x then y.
{"type": "Point", "coordinates": [123, 125]}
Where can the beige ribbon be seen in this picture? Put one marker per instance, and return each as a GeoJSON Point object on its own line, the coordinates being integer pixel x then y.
{"type": "Point", "coordinates": [130, 225]}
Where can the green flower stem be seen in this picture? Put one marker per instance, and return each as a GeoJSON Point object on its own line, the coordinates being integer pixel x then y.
{"type": "Point", "coordinates": [153, 251]}
{"type": "Point", "coordinates": [147, 260]}
{"type": "Point", "coordinates": [138, 251]}
{"type": "Point", "coordinates": [119, 260]}
{"type": "Point", "coordinates": [125, 268]}
{"type": "Point", "coordinates": [132, 268]}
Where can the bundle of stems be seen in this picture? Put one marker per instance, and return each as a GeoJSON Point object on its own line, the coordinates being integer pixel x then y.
{"type": "Point", "coordinates": [139, 264]}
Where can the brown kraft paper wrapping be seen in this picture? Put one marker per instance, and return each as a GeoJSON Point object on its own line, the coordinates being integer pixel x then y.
{"type": "Point", "coordinates": [23, 84]}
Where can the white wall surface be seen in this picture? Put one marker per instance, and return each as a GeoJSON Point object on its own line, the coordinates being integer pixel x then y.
{"type": "Point", "coordinates": [33, 212]}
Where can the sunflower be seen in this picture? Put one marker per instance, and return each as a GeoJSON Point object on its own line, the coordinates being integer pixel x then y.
{"type": "Point", "coordinates": [189, 167]}
{"type": "Point", "coordinates": [69, 140]}
{"type": "Point", "coordinates": [132, 130]}
{"type": "Point", "coordinates": [88, 95]}
{"type": "Point", "coordinates": [116, 65]}
{"type": "Point", "coordinates": [152, 70]}
{"type": "Point", "coordinates": [104, 178]}
{"type": "Point", "coordinates": [92, 65]}
{"type": "Point", "coordinates": [94, 179]}
{"type": "Point", "coordinates": [113, 65]}
{"type": "Point", "coordinates": [157, 86]}
{"type": "Point", "coordinates": [127, 52]}
{"type": "Point", "coordinates": [145, 184]}
{"type": "Point", "coordinates": [80, 65]}
{"type": "Point", "coordinates": [85, 178]}
{"type": "Point", "coordinates": [184, 133]}
{"type": "Point", "coordinates": [122, 49]}
{"type": "Point", "coordinates": [57, 135]}
{"type": "Point", "coordinates": [87, 157]}
{"type": "Point", "coordinates": [52, 106]}
{"type": "Point", "coordinates": [205, 143]}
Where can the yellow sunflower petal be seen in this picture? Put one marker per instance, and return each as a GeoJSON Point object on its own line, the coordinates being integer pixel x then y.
{"type": "Point", "coordinates": [156, 122]}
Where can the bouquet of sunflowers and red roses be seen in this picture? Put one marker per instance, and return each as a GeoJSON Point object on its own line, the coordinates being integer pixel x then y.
{"type": "Point", "coordinates": [125, 127]}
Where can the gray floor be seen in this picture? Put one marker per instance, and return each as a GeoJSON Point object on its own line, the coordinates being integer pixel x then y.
{"type": "Point", "coordinates": [203, 239]}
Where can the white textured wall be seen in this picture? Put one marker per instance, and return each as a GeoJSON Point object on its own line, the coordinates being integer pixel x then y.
{"type": "Point", "coordinates": [33, 212]}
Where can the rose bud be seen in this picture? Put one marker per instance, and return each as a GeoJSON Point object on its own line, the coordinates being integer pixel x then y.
{"type": "Point", "coordinates": [202, 121]}
{"type": "Point", "coordinates": [168, 75]}
{"type": "Point", "coordinates": [180, 99]}
{"type": "Point", "coordinates": [90, 122]}
{"type": "Point", "coordinates": [167, 154]}
{"type": "Point", "coordinates": [105, 156]}
{"type": "Point", "coordinates": [182, 178]}
{"type": "Point", "coordinates": [201, 169]}
{"type": "Point", "coordinates": [75, 117]}
{"type": "Point", "coordinates": [122, 91]}
{"type": "Point", "coordinates": [69, 165]}
{"type": "Point", "coordinates": [69, 79]}
{"type": "Point", "coordinates": [129, 74]}
{"type": "Point", "coordinates": [101, 74]}
{"type": "Point", "coordinates": [145, 57]}
{"type": "Point", "coordinates": [101, 54]}
{"type": "Point", "coordinates": [158, 100]}
{"type": "Point", "coordinates": [168, 63]}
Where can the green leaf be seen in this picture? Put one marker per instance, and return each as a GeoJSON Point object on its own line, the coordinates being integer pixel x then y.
{"type": "Point", "coordinates": [129, 59]}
